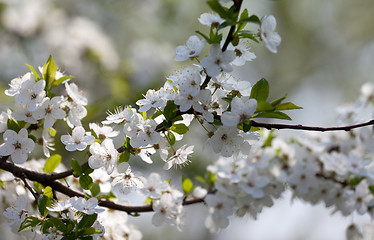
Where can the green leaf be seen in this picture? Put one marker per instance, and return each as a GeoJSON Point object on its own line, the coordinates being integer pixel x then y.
{"type": "Point", "coordinates": [29, 223]}
{"type": "Point", "coordinates": [95, 190]}
{"type": "Point", "coordinates": [241, 24]}
{"type": "Point", "coordinates": [44, 202]}
{"type": "Point", "coordinates": [278, 115]}
{"type": "Point", "coordinates": [201, 179]}
{"type": "Point", "coordinates": [251, 19]}
{"type": "Point", "coordinates": [52, 132]}
{"type": "Point", "coordinates": [355, 181]}
{"type": "Point", "coordinates": [87, 221]}
{"type": "Point", "coordinates": [36, 75]}
{"type": "Point", "coordinates": [13, 125]}
{"type": "Point", "coordinates": [171, 138]}
{"type": "Point", "coordinates": [52, 163]}
{"type": "Point", "coordinates": [287, 106]}
{"type": "Point", "coordinates": [124, 157]}
{"type": "Point", "coordinates": [2, 184]}
{"type": "Point", "coordinates": [57, 223]}
{"type": "Point", "coordinates": [90, 231]}
{"type": "Point", "coordinates": [247, 126]}
{"type": "Point", "coordinates": [204, 36]}
{"type": "Point", "coordinates": [249, 35]}
{"type": "Point", "coordinates": [86, 169]}
{"type": "Point", "coordinates": [86, 182]}
{"type": "Point", "coordinates": [264, 107]}
{"type": "Point", "coordinates": [269, 139]}
{"type": "Point", "coordinates": [179, 128]}
{"type": "Point", "coordinates": [260, 91]}
{"type": "Point", "coordinates": [48, 192]}
{"type": "Point", "coordinates": [49, 71]}
{"type": "Point", "coordinates": [76, 167]}
{"type": "Point", "coordinates": [156, 114]}
{"type": "Point", "coordinates": [187, 185]}
{"type": "Point", "coordinates": [60, 80]}
{"type": "Point", "coordinates": [170, 111]}
{"type": "Point", "coordinates": [218, 8]}
{"type": "Point", "coordinates": [144, 115]}
{"type": "Point", "coordinates": [278, 101]}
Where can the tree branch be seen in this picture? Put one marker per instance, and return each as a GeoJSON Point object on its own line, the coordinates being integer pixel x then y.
{"type": "Point", "coordinates": [45, 179]}
{"type": "Point", "coordinates": [270, 126]}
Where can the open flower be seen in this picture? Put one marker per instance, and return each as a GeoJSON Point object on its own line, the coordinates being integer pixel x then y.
{"type": "Point", "coordinates": [180, 157]}
{"type": "Point", "coordinates": [78, 140]}
{"type": "Point", "coordinates": [268, 34]}
{"type": "Point", "coordinates": [192, 48]}
{"type": "Point", "coordinates": [17, 145]}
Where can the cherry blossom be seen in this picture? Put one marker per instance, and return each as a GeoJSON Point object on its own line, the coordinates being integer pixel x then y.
{"type": "Point", "coordinates": [78, 140]}
{"type": "Point", "coordinates": [192, 48]}
{"type": "Point", "coordinates": [218, 61]}
{"type": "Point", "coordinates": [270, 38]}
{"type": "Point", "coordinates": [17, 145]}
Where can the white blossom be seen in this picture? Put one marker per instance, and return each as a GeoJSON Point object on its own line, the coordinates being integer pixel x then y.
{"type": "Point", "coordinates": [103, 155]}
{"type": "Point", "coordinates": [17, 145]}
{"type": "Point", "coordinates": [16, 212]}
{"type": "Point", "coordinates": [192, 48]}
{"type": "Point", "coordinates": [268, 34]}
{"type": "Point", "coordinates": [218, 61]}
{"type": "Point", "coordinates": [78, 140]}
{"type": "Point", "coordinates": [180, 157]}
{"type": "Point", "coordinates": [83, 205]}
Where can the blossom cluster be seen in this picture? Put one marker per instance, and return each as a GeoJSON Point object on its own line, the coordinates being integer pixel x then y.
{"type": "Point", "coordinates": [254, 166]}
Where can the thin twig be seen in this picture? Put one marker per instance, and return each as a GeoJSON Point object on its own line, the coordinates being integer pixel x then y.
{"type": "Point", "coordinates": [310, 128]}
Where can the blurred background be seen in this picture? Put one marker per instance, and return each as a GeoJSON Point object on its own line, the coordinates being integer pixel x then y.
{"type": "Point", "coordinates": [117, 49]}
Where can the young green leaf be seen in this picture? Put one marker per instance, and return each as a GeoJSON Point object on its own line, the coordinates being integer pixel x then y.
{"type": "Point", "coordinates": [49, 71]}
{"type": "Point", "coordinates": [86, 182]}
{"type": "Point", "coordinates": [76, 167]}
{"type": "Point", "coordinates": [187, 185]}
{"type": "Point", "coordinates": [95, 190]}
{"type": "Point", "coordinates": [218, 8]}
{"type": "Point", "coordinates": [29, 223]}
{"type": "Point", "coordinates": [2, 184]}
{"type": "Point", "coordinates": [124, 157]}
{"type": "Point", "coordinates": [87, 221]}
{"type": "Point", "coordinates": [179, 128]}
{"type": "Point", "coordinates": [56, 222]}
{"type": "Point", "coordinates": [260, 91]}
{"type": "Point", "coordinates": [278, 115]}
{"type": "Point", "coordinates": [52, 163]}
{"type": "Point", "coordinates": [36, 75]}
{"type": "Point", "coordinates": [44, 202]}
{"type": "Point", "coordinates": [171, 138]}
{"type": "Point", "coordinates": [48, 192]}
{"type": "Point", "coordinates": [287, 106]}
{"type": "Point", "coordinates": [170, 111]}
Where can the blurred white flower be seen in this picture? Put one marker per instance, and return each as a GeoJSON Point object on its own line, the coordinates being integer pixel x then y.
{"type": "Point", "coordinates": [268, 34]}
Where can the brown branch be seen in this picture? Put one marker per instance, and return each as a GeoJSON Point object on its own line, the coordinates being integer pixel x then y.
{"type": "Point", "coordinates": [270, 126]}
{"type": "Point", "coordinates": [45, 179]}
{"type": "Point", "coordinates": [229, 38]}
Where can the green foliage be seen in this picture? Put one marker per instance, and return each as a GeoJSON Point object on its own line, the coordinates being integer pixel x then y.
{"type": "Point", "coordinates": [2, 184]}
{"type": "Point", "coordinates": [87, 221]}
{"type": "Point", "coordinates": [43, 202]}
{"type": "Point", "coordinates": [13, 125]}
{"type": "Point", "coordinates": [36, 75]}
{"type": "Point", "coordinates": [124, 157]}
{"type": "Point", "coordinates": [56, 222]}
{"type": "Point", "coordinates": [48, 192]}
{"type": "Point", "coordinates": [187, 185]}
{"type": "Point", "coordinates": [95, 189]}
{"type": "Point", "coordinates": [49, 71]}
{"type": "Point", "coordinates": [86, 182]}
{"type": "Point", "coordinates": [52, 163]}
{"type": "Point", "coordinates": [260, 91]}
{"type": "Point", "coordinates": [76, 167]}
{"type": "Point", "coordinates": [179, 128]}
{"type": "Point", "coordinates": [29, 223]}
{"type": "Point", "coordinates": [171, 138]}
{"type": "Point", "coordinates": [278, 115]}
